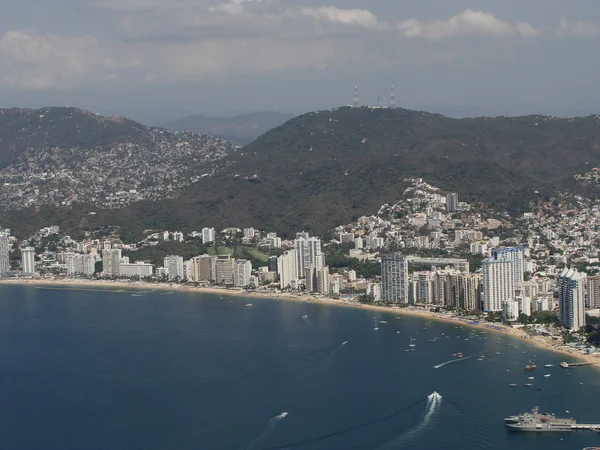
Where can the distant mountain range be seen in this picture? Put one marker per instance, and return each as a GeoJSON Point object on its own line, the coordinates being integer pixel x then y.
{"type": "Point", "coordinates": [239, 130]}
{"type": "Point", "coordinates": [314, 172]}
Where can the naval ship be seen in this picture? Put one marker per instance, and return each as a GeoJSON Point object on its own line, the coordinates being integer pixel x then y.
{"type": "Point", "coordinates": [537, 421]}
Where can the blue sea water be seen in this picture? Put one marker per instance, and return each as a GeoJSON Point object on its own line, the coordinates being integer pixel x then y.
{"type": "Point", "coordinates": [97, 369]}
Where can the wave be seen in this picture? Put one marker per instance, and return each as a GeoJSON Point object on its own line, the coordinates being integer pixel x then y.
{"type": "Point", "coordinates": [266, 432]}
{"type": "Point", "coordinates": [434, 402]}
{"type": "Point", "coordinates": [451, 361]}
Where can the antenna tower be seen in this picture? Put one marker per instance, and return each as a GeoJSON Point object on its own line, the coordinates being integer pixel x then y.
{"type": "Point", "coordinates": [355, 103]}
{"type": "Point", "coordinates": [393, 97]}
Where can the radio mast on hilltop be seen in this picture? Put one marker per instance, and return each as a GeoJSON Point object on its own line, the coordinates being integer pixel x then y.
{"type": "Point", "coordinates": [393, 97]}
{"type": "Point", "coordinates": [355, 103]}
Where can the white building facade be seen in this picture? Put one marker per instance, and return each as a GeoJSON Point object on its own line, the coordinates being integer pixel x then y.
{"type": "Point", "coordinates": [498, 283]}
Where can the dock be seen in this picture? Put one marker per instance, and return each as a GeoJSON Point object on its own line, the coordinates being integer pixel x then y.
{"type": "Point", "coordinates": [566, 365]}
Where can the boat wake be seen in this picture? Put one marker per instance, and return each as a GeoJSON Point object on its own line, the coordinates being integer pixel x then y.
{"type": "Point", "coordinates": [266, 432]}
{"type": "Point", "coordinates": [434, 402]}
{"type": "Point", "coordinates": [452, 361]}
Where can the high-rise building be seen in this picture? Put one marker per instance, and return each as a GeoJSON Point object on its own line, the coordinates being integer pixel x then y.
{"type": "Point", "coordinates": [4, 253]}
{"type": "Point", "coordinates": [452, 202]}
{"type": "Point", "coordinates": [423, 282]}
{"type": "Point", "coordinates": [174, 266]}
{"type": "Point", "coordinates": [287, 268]}
{"type": "Point", "coordinates": [571, 299]}
{"type": "Point", "coordinates": [242, 272]}
{"type": "Point", "coordinates": [498, 283]}
{"type": "Point", "coordinates": [249, 233]}
{"type": "Point", "coordinates": [136, 270]}
{"type": "Point", "coordinates": [208, 235]}
{"type": "Point", "coordinates": [308, 253]}
{"type": "Point", "coordinates": [111, 261]}
{"type": "Point", "coordinates": [394, 278]}
{"type": "Point", "coordinates": [223, 269]}
{"type": "Point", "coordinates": [323, 281]}
{"type": "Point", "coordinates": [310, 279]}
{"type": "Point", "coordinates": [469, 292]}
{"type": "Point", "coordinates": [510, 310]}
{"type": "Point", "coordinates": [593, 292]}
{"type": "Point", "coordinates": [27, 260]}
{"type": "Point", "coordinates": [202, 268]}
{"type": "Point", "coordinates": [524, 305]}
{"type": "Point", "coordinates": [78, 264]}
{"type": "Point", "coordinates": [514, 254]}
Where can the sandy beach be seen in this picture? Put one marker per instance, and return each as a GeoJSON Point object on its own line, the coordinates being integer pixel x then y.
{"type": "Point", "coordinates": [545, 342]}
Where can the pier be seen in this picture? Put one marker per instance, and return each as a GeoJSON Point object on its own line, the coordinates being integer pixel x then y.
{"type": "Point", "coordinates": [566, 365]}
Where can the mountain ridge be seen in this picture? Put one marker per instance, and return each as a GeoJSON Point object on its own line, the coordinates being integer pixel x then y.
{"type": "Point", "coordinates": [326, 168]}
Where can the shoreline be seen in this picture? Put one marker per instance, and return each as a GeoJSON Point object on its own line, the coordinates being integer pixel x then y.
{"type": "Point", "coordinates": [543, 342]}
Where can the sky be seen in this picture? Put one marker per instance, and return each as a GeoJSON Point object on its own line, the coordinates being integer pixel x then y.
{"type": "Point", "coordinates": [157, 60]}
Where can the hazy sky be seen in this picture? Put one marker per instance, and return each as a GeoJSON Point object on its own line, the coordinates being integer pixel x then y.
{"type": "Point", "coordinates": [160, 59]}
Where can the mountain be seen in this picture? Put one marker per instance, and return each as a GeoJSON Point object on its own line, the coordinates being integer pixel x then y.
{"type": "Point", "coordinates": [239, 130]}
{"type": "Point", "coordinates": [61, 156]}
{"type": "Point", "coordinates": [327, 168]}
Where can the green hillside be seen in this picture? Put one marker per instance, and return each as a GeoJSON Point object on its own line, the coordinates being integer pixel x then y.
{"type": "Point", "coordinates": [326, 168]}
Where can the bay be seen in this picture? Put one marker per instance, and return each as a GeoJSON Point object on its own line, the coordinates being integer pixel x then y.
{"type": "Point", "coordinates": [97, 369]}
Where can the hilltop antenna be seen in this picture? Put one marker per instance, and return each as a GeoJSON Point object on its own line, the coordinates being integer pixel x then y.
{"type": "Point", "coordinates": [393, 97]}
{"type": "Point", "coordinates": [355, 104]}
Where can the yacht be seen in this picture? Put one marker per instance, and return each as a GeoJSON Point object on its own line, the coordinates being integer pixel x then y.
{"type": "Point", "coordinates": [512, 385]}
{"type": "Point", "coordinates": [528, 384]}
{"type": "Point", "coordinates": [547, 375]}
{"type": "Point", "coordinates": [549, 365]}
{"type": "Point", "coordinates": [249, 305]}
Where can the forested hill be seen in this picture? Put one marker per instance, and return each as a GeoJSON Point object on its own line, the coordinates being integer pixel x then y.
{"type": "Point", "coordinates": [325, 168]}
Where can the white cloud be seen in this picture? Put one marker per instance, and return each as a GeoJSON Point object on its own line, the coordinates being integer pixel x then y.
{"type": "Point", "coordinates": [31, 61]}
{"type": "Point", "coordinates": [575, 29]}
{"type": "Point", "coordinates": [360, 17]}
{"type": "Point", "coordinates": [467, 23]}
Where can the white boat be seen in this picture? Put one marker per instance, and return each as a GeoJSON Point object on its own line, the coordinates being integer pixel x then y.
{"type": "Point", "coordinates": [382, 321]}
{"type": "Point", "coordinates": [549, 365]}
{"type": "Point", "coordinates": [305, 316]}
{"type": "Point", "coordinates": [531, 378]}
{"type": "Point", "coordinates": [375, 328]}
{"type": "Point", "coordinates": [547, 375]}
{"type": "Point", "coordinates": [411, 343]}
{"type": "Point", "coordinates": [248, 305]}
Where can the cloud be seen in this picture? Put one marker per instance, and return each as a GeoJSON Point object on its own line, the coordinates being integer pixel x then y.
{"type": "Point", "coordinates": [575, 29]}
{"type": "Point", "coordinates": [31, 61]}
{"type": "Point", "coordinates": [467, 23]}
{"type": "Point", "coordinates": [188, 20]}
{"type": "Point", "coordinates": [361, 17]}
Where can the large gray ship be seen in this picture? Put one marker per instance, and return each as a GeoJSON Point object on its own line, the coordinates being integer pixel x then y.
{"type": "Point", "coordinates": [539, 421]}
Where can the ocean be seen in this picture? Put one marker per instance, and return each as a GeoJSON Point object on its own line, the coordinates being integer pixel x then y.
{"type": "Point", "coordinates": [98, 369]}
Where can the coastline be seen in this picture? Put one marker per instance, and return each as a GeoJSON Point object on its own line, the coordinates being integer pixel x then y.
{"type": "Point", "coordinates": [539, 341]}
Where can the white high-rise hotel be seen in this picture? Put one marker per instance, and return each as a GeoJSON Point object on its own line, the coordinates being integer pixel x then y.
{"type": "Point", "coordinates": [287, 268]}
{"type": "Point", "coordinates": [394, 278]}
{"type": "Point", "coordinates": [308, 253]}
{"type": "Point", "coordinates": [514, 254]}
{"type": "Point", "coordinates": [4, 250]}
{"type": "Point", "coordinates": [571, 299]}
{"type": "Point", "coordinates": [27, 260]}
{"type": "Point", "coordinates": [498, 283]}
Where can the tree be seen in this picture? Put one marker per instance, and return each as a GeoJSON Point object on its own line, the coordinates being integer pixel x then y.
{"type": "Point", "coordinates": [99, 266]}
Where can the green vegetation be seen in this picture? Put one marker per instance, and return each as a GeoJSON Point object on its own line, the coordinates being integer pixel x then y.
{"type": "Point", "coordinates": [327, 168]}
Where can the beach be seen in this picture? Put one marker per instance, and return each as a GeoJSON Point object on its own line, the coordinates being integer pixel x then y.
{"type": "Point", "coordinates": [572, 355]}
